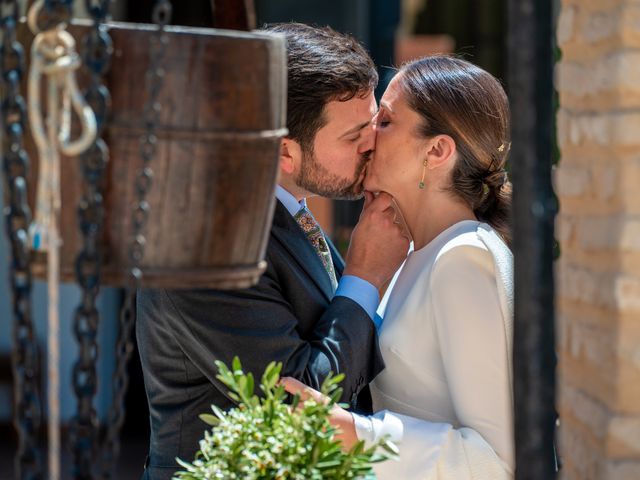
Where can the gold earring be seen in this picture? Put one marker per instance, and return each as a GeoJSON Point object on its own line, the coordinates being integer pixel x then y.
{"type": "Point", "coordinates": [424, 168]}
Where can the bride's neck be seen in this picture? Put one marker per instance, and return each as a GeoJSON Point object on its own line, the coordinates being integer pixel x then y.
{"type": "Point", "coordinates": [428, 214]}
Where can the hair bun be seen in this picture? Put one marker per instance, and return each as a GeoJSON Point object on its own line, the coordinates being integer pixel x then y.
{"type": "Point", "coordinates": [496, 179]}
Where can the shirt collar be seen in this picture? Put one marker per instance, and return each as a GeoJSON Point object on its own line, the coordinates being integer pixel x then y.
{"type": "Point", "coordinates": [289, 201]}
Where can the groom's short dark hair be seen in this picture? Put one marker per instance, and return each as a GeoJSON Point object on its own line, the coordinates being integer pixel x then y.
{"type": "Point", "coordinates": [323, 65]}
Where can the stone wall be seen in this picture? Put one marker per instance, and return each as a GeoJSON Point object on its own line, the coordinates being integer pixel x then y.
{"type": "Point", "coordinates": [598, 274]}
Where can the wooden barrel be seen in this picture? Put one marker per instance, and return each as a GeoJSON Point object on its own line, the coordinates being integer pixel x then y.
{"type": "Point", "coordinates": [211, 204]}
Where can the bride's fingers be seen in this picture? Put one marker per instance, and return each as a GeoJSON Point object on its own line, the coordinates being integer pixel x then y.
{"type": "Point", "coordinates": [294, 387]}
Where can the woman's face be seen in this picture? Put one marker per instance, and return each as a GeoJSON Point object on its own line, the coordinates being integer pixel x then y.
{"type": "Point", "coordinates": [397, 161]}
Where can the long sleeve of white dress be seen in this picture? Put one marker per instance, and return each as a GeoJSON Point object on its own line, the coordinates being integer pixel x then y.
{"type": "Point", "coordinates": [464, 310]}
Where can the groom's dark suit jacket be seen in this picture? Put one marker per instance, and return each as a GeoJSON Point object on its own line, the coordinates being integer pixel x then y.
{"type": "Point", "coordinates": [289, 316]}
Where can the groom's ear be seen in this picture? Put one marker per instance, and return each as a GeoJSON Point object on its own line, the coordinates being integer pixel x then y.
{"type": "Point", "coordinates": [441, 151]}
{"type": "Point", "coordinates": [290, 154]}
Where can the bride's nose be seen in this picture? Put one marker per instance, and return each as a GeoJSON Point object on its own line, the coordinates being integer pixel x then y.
{"type": "Point", "coordinates": [369, 139]}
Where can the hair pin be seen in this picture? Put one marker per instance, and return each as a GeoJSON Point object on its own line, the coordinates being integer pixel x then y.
{"type": "Point", "coordinates": [504, 146]}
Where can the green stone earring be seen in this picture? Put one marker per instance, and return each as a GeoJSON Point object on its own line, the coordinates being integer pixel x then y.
{"type": "Point", "coordinates": [424, 169]}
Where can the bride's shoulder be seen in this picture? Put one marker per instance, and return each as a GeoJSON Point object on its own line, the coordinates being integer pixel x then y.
{"type": "Point", "coordinates": [472, 247]}
{"type": "Point", "coordinates": [463, 241]}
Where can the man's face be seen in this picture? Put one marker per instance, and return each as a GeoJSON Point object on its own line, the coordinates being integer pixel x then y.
{"type": "Point", "coordinates": [335, 167]}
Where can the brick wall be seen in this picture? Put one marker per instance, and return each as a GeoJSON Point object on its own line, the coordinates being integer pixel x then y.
{"type": "Point", "coordinates": [598, 275]}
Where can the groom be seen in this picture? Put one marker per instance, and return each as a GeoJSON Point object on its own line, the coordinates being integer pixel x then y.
{"type": "Point", "coordinates": [309, 310]}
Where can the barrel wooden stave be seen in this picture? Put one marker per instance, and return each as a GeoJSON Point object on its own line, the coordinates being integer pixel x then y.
{"type": "Point", "coordinates": [212, 199]}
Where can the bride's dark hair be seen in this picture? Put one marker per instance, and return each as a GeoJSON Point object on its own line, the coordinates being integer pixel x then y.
{"type": "Point", "coordinates": [459, 99]}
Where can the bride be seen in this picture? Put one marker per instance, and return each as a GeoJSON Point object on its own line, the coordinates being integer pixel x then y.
{"type": "Point", "coordinates": [445, 396]}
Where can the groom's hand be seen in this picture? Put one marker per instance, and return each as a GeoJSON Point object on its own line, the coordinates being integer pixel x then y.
{"type": "Point", "coordinates": [379, 242]}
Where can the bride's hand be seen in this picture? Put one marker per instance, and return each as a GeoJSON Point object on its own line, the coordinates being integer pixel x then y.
{"type": "Point", "coordinates": [340, 418]}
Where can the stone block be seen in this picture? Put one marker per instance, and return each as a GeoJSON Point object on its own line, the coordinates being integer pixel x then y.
{"type": "Point", "coordinates": [562, 126]}
{"type": "Point", "coordinates": [621, 470]}
{"type": "Point", "coordinates": [623, 437]}
{"type": "Point", "coordinates": [598, 232]}
{"type": "Point", "coordinates": [619, 128]}
{"type": "Point", "coordinates": [588, 412]}
{"type": "Point", "coordinates": [628, 389]}
{"type": "Point", "coordinates": [605, 179]}
{"type": "Point", "coordinates": [591, 128]}
{"type": "Point", "coordinates": [630, 19]}
{"type": "Point", "coordinates": [630, 235]}
{"type": "Point", "coordinates": [599, 25]}
{"type": "Point", "coordinates": [627, 292]}
{"type": "Point", "coordinates": [564, 228]}
{"type": "Point", "coordinates": [582, 453]}
{"type": "Point", "coordinates": [566, 23]}
{"type": "Point", "coordinates": [625, 128]}
{"type": "Point", "coordinates": [618, 291]}
{"type": "Point", "coordinates": [621, 232]}
{"type": "Point", "coordinates": [571, 181]}
{"type": "Point", "coordinates": [586, 286]}
{"type": "Point", "coordinates": [617, 72]}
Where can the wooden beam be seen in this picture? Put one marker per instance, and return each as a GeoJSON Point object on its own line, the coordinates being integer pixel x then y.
{"type": "Point", "coordinates": [234, 14]}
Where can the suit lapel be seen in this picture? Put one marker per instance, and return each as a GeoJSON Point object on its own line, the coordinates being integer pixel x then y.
{"type": "Point", "coordinates": [287, 231]}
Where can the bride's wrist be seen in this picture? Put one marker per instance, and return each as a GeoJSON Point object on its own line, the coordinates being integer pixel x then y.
{"type": "Point", "coordinates": [345, 423]}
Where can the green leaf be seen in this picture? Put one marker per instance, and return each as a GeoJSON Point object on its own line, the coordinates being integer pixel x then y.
{"type": "Point", "coordinates": [390, 447]}
{"type": "Point", "coordinates": [250, 385]}
{"type": "Point", "coordinates": [209, 419]}
{"type": "Point", "coordinates": [236, 365]}
{"type": "Point", "coordinates": [271, 376]}
{"type": "Point", "coordinates": [218, 412]}
{"type": "Point", "coordinates": [329, 464]}
{"type": "Point", "coordinates": [335, 396]}
{"type": "Point", "coordinates": [357, 448]}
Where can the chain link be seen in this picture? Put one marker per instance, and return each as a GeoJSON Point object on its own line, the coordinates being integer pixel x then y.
{"type": "Point", "coordinates": [140, 215]}
{"type": "Point", "coordinates": [96, 55]}
{"type": "Point", "coordinates": [25, 357]}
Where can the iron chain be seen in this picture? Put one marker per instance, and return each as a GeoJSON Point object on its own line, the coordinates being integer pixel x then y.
{"type": "Point", "coordinates": [144, 180]}
{"type": "Point", "coordinates": [26, 355]}
{"type": "Point", "coordinates": [96, 55]}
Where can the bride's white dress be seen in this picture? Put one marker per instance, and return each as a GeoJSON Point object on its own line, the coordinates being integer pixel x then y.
{"type": "Point", "coordinates": [445, 396]}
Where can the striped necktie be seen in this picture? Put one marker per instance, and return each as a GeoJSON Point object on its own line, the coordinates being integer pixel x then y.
{"type": "Point", "coordinates": [314, 233]}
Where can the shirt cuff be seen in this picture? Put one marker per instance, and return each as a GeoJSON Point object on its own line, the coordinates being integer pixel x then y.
{"type": "Point", "coordinates": [373, 428]}
{"type": "Point", "coordinates": [361, 292]}
{"type": "Point", "coordinates": [378, 321]}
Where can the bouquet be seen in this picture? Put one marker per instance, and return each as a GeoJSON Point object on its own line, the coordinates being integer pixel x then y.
{"type": "Point", "coordinates": [267, 438]}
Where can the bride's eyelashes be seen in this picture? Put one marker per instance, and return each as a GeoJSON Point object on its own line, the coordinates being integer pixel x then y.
{"type": "Point", "coordinates": [381, 120]}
